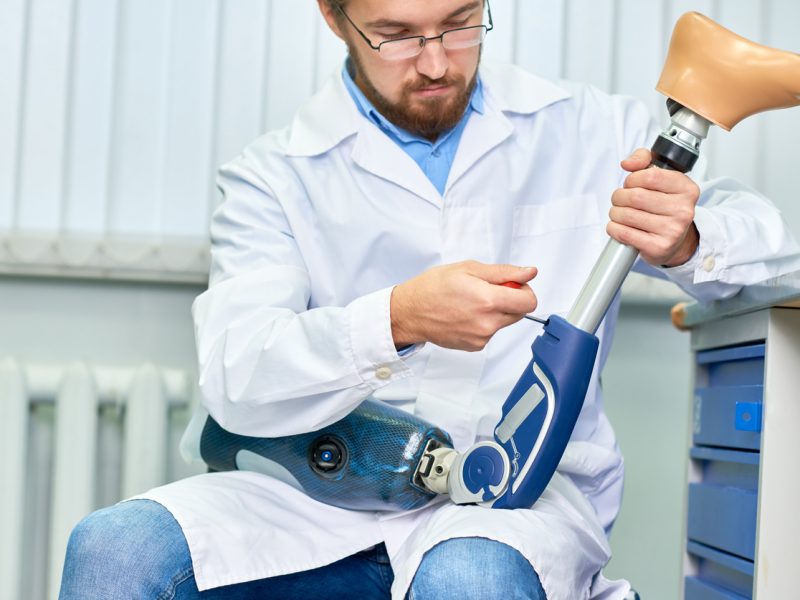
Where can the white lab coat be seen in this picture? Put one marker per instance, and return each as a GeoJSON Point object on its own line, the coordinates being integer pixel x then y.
{"type": "Point", "coordinates": [322, 218]}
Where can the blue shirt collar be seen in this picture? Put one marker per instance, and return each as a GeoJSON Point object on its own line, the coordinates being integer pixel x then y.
{"type": "Point", "coordinates": [366, 108]}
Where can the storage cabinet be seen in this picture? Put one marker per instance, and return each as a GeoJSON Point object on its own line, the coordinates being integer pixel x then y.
{"type": "Point", "coordinates": [741, 527]}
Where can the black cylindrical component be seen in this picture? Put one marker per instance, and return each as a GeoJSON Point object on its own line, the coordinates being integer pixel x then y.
{"type": "Point", "coordinates": [673, 106]}
{"type": "Point", "coordinates": [669, 154]}
{"type": "Point", "coordinates": [327, 455]}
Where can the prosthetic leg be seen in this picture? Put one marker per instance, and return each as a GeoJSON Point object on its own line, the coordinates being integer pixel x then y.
{"type": "Point", "coordinates": [365, 461]}
{"type": "Point", "coordinates": [711, 76]}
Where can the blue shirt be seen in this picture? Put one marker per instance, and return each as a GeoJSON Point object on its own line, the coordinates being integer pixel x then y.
{"type": "Point", "coordinates": [434, 158]}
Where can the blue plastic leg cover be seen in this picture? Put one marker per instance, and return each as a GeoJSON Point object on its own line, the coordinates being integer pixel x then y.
{"type": "Point", "coordinates": [365, 461]}
{"type": "Point", "coordinates": [542, 409]}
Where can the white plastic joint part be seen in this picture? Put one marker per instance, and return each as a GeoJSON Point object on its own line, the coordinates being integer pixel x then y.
{"type": "Point", "coordinates": [461, 494]}
{"type": "Point", "coordinates": [439, 471]}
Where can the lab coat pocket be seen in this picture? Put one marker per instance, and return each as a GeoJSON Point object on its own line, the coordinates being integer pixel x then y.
{"type": "Point", "coordinates": [563, 238]}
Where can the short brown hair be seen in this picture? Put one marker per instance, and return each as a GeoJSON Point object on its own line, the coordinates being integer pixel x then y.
{"type": "Point", "coordinates": [334, 4]}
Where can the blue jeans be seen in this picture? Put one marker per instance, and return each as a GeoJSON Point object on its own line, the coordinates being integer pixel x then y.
{"type": "Point", "coordinates": [136, 550]}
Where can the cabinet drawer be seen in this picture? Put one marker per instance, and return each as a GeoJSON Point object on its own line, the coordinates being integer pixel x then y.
{"type": "Point", "coordinates": [723, 504]}
{"type": "Point", "coordinates": [719, 575]}
{"type": "Point", "coordinates": [698, 589]}
{"type": "Point", "coordinates": [728, 416]}
{"type": "Point", "coordinates": [723, 517]}
{"type": "Point", "coordinates": [740, 365]}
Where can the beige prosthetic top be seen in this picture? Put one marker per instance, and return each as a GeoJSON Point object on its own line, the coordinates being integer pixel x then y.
{"type": "Point", "coordinates": [724, 77]}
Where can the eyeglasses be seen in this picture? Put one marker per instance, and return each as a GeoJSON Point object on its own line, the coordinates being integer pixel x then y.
{"type": "Point", "coordinates": [408, 47]}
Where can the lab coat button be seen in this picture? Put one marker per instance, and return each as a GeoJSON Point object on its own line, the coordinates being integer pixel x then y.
{"type": "Point", "coordinates": [383, 372]}
{"type": "Point", "coordinates": [709, 263]}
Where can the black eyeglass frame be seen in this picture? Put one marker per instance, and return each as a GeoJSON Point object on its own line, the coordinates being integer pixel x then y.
{"type": "Point", "coordinates": [422, 39]}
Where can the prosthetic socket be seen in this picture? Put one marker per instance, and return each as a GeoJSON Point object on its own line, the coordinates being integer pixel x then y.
{"type": "Point", "coordinates": [380, 458]}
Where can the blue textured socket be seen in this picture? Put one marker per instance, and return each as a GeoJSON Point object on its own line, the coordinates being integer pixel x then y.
{"type": "Point", "coordinates": [483, 468]}
{"type": "Point", "coordinates": [382, 444]}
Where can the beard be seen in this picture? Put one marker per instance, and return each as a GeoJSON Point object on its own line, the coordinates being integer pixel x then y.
{"type": "Point", "coordinates": [425, 117]}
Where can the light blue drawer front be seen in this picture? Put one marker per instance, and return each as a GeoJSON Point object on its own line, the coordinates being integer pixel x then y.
{"type": "Point", "coordinates": [697, 589]}
{"type": "Point", "coordinates": [740, 365]}
{"type": "Point", "coordinates": [723, 517]}
{"type": "Point", "coordinates": [728, 416]}
{"type": "Point", "coordinates": [727, 468]}
{"type": "Point", "coordinates": [718, 573]}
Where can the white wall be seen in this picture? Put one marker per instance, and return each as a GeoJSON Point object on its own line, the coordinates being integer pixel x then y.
{"type": "Point", "coordinates": [115, 113]}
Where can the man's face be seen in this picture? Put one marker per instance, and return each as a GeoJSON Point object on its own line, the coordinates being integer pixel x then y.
{"type": "Point", "coordinates": [426, 94]}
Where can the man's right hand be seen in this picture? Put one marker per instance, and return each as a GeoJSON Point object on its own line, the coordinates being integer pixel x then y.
{"type": "Point", "coordinates": [461, 305]}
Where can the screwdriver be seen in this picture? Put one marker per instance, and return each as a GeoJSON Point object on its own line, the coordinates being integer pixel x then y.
{"type": "Point", "coordinates": [516, 286]}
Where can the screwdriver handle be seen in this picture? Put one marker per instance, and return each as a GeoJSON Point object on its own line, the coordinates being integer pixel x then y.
{"type": "Point", "coordinates": [516, 286]}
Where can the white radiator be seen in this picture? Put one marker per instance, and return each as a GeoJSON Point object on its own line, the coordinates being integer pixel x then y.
{"type": "Point", "coordinates": [72, 438]}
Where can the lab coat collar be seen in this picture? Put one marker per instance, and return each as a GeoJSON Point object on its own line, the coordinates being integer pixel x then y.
{"type": "Point", "coordinates": [325, 120]}
{"type": "Point", "coordinates": [375, 152]}
{"type": "Point", "coordinates": [331, 116]}
{"type": "Point", "coordinates": [514, 90]}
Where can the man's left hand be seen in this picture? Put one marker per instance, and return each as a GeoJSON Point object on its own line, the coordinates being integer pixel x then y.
{"type": "Point", "coordinates": [654, 212]}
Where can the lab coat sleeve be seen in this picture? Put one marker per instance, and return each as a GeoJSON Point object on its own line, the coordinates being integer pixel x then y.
{"type": "Point", "coordinates": [743, 240]}
{"type": "Point", "coordinates": [269, 366]}
{"type": "Point", "coordinates": [743, 237]}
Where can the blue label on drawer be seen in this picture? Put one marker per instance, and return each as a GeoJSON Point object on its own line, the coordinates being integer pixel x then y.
{"type": "Point", "coordinates": [728, 417]}
{"type": "Point", "coordinates": [748, 416]}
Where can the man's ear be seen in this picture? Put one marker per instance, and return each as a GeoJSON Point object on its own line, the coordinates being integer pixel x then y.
{"type": "Point", "coordinates": [330, 16]}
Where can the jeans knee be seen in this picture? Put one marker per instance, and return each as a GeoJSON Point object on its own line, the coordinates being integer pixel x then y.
{"type": "Point", "coordinates": [90, 539]}
{"type": "Point", "coordinates": [136, 545]}
{"type": "Point", "coordinates": [476, 568]}
{"type": "Point", "coordinates": [114, 532]}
